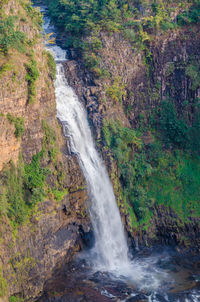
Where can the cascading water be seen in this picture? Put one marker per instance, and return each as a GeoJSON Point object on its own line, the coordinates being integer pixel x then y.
{"type": "Point", "coordinates": [110, 252]}
{"type": "Point", "coordinates": [110, 247]}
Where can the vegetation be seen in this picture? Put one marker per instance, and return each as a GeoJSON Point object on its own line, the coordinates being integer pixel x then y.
{"type": "Point", "coordinates": [19, 124]}
{"type": "Point", "coordinates": [5, 68]}
{"type": "Point", "coordinates": [116, 91]}
{"type": "Point", "coordinates": [52, 65]}
{"type": "Point", "coordinates": [3, 284]}
{"type": "Point", "coordinates": [24, 185]}
{"type": "Point", "coordinates": [34, 14]}
{"type": "Point", "coordinates": [153, 175]}
{"type": "Point", "coordinates": [10, 37]}
{"type": "Point", "coordinates": [31, 78]}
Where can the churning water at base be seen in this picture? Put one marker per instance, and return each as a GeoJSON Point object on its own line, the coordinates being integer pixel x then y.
{"type": "Point", "coordinates": [110, 252]}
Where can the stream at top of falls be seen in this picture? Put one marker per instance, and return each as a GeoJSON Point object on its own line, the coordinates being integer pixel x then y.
{"type": "Point", "coordinates": [105, 269]}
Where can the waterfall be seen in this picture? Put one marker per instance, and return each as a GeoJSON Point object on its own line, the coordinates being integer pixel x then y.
{"type": "Point", "coordinates": [110, 243]}
{"type": "Point", "coordinates": [110, 251]}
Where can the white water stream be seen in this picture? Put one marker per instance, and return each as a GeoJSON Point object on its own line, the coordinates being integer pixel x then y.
{"type": "Point", "coordinates": [110, 243]}
{"type": "Point", "coordinates": [110, 252]}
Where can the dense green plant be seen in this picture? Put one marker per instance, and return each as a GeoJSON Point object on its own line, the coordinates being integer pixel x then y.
{"type": "Point", "coordinates": [22, 187]}
{"type": "Point", "coordinates": [52, 65]}
{"type": "Point", "coordinates": [174, 129]}
{"type": "Point", "coordinates": [13, 180]}
{"type": "Point", "coordinates": [34, 179]}
{"type": "Point", "coordinates": [133, 166]}
{"type": "Point", "coordinates": [15, 299]}
{"type": "Point", "coordinates": [193, 72]}
{"type": "Point", "coordinates": [116, 91]}
{"type": "Point", "coordinates": [31, 78]}
{"type": "Point", "coordinates": [10, 37]}
{"type": "Point", "coordinates": [151, 175]}
{"type": "Point", "coordinates": [190, 15]}
{"type": "Point", "coordinates": [19, 124]}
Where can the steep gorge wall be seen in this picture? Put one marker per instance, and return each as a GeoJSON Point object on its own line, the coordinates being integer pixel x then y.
{"type": "Point", "coordinates": [145, 85]}
{"type": "Point", "coordinates": [50, 232]}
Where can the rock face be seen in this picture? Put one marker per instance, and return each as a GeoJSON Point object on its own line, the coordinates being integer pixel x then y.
{"type": "Point", "coordinates": [52, 235]}
{"type": "Point", "coordinates": [167, 76]}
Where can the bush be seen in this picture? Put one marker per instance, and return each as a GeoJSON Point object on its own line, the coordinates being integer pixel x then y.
{"type": "Point", "coordinates": [34, 179]}
{"type": "Point", "coordinates": [19, 124]}
{"type": "Point", "coordinates": [14, 185]}
{"type": "Point", "coordinates": [31, 77]}
{"type": "Point", "coordinates": [193, 72]}
{"type": "Point", "coordinates": [174, 130]}
{"type": "Point", "coordinates": [4, 68]}
{"type": "Point", "coordinates": [52, 65]}
{"type": "Point", "coordinates": [116, 91]}
{"type": "Point", "coordinates": [189, 16]}
{"type": "Point", "coordinates": [10, 37]}
{"type": "Point", "coordinates": [34, 14]}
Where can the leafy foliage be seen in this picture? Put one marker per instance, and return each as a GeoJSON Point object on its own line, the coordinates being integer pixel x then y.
{"type": "Point", "coordinates": [152, 175]}
{"type": "Point", "coordinates": [19, 124]}
{"type": "Point", "coordinates": [10, 37]}
{"type": "Point", "coordinates": [190, 15]}
{"type": "Point", "coordinates": [52, 65]}
{"type": "Point", "coordinates": [31, 77]}
{"type": "Point", "coordinates": [174, 130]}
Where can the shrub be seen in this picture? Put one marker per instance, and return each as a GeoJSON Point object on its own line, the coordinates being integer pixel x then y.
{"type": "Point", "coordinates": [19, 124]}
{"type": "Point", "coordinates": [14, 185]}
{"type": "Point", "coordinates": [10, 37]}
{"type": "Point", "coordinates": [193, 72]}
{"type": "Point", "coordinates": [34, 14]}
{"type": "Point", "coordinates": [174, 130]}
{"type": "Point", "coordinates": [52, 65]}
{"type": "Point", "coordinates": [34, 175]}
{"type": "Point", "coordinates": [4, 68]}
{"type": "Point", "coordinates": [31, 77]}
{"type": "Point", "coordinates": [116, 91]}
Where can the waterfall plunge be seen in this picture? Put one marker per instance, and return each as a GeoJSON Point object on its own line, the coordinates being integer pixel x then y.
{"type": "Point", "coordinates": [110, 243]}
{"type": "Point", "coordinates": [110, 252]}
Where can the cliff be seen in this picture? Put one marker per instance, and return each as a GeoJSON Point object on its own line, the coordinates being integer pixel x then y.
{"type": "Point", "coordinates": [136, 69]}
{"type": "Point", "coordinates": [43, 194]}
